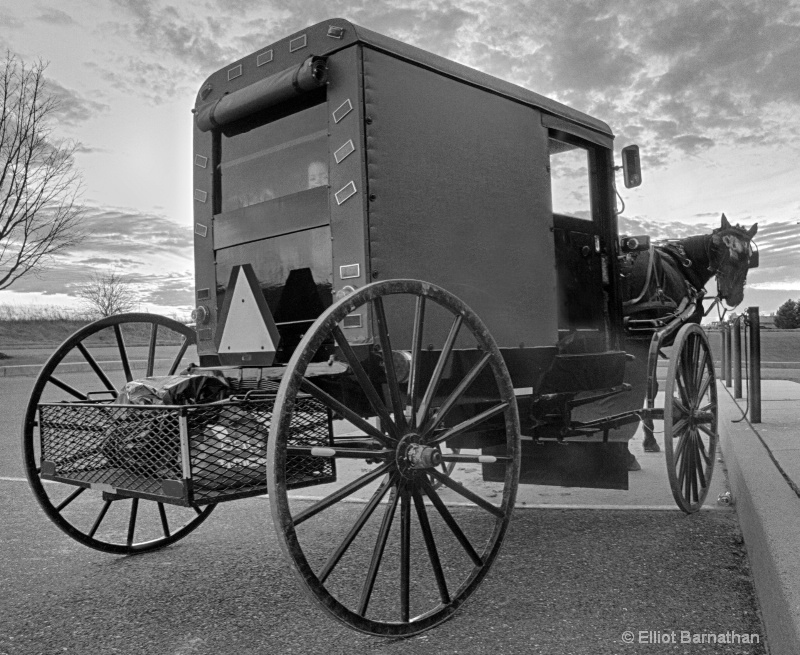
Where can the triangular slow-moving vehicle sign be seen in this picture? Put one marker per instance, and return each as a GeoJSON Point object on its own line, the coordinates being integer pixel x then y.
{"type": "Point", "coordinates": [246, 334]}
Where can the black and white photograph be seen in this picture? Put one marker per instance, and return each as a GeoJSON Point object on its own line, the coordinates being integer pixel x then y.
{"type": "Point", "coordinates": [379, 327]}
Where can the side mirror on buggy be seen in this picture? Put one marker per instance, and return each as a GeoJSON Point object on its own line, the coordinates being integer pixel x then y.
{"type": "Point", "coordinates": [634, 244]}
{"type": "Point", "coordinates": [631, 166]}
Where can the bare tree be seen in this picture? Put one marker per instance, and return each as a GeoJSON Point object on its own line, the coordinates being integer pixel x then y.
{"type": "Point", "coordinates": [106, 294]}
{"type": "Point", "coordinates": [39, 210]}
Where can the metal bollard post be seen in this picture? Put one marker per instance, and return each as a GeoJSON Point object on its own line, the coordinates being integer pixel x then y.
{"type": "Point", "coordinates": [726, 359]}
{"type": "Point", "coordinates": [724, 334]}
{"type": "Point", "coordinates": [754, 374]}
{"type": "Point", "coordinates": [737, 356]}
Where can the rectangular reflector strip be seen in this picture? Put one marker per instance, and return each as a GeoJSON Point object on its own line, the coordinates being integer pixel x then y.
{"type": "Point", "coordinates": [345, 192]}
{"type": "Point", "coordinates": [298, 43]}
{"type": "Point", "coordinates": [264, 58]}
{"type": "Point", "coordinates": [349, 270]}
{"type": "Point", "coordinates": [343, 151]}
{"type": "Point", "coordinates": [342, 110]}
{"type": "Point", "coordinates": [352, 321]}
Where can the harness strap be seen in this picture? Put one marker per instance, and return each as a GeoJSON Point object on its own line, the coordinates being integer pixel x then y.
{"type": "Point", "coordinates": [648, 276]}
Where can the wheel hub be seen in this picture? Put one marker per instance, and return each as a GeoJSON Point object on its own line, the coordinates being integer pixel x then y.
{"type": "Point", "coordinates": [413, 455]}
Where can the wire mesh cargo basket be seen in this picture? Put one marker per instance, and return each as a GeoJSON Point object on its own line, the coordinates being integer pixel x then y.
{"type": "Point", "coordinates": [185, 455]}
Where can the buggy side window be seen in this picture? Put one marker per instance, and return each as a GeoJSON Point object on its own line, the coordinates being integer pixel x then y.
{"type": "Point", "coordinates": [569, 179]}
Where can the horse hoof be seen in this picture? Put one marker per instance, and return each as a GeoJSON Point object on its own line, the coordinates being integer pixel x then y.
{"type": "Point", "coordinates": [633, 464]}
{"type": "Point", "coordinates": [652, 447]}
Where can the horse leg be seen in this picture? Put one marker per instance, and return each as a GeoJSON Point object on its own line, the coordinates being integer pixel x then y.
{"type": "Point", "coordinates": [649, 444]}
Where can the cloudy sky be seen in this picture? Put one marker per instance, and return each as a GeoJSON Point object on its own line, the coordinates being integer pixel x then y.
{"type": "Point", "coordinates": [710, 90]}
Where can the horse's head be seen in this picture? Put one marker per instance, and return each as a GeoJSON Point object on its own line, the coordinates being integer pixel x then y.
{"type": "Point", "coordinates": [732, 256]}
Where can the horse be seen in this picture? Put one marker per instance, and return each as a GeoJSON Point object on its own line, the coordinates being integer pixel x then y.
{"type": "Point", "coordinates": [667, 274]}
{"type": "Point", "coordinates": [661, 281]}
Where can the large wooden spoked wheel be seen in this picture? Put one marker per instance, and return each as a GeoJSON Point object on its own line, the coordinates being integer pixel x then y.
{"type": "Point", "coordinates": [93, 365]}
{"type": "Point", "coordinates": [382, 550]}
{"type": "Point", "coordinates": [690, 418]}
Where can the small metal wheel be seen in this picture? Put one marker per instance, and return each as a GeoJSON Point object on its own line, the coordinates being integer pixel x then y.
{"type": "Point", "coordinates": [381, 550]}
{"type": "Point", "coordinates": [92, 366]}
{"type": "Point", "coordinates": [690, 418]}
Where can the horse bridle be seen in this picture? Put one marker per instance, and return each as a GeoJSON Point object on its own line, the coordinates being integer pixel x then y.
{"type": "Point", "coordinates": [715, 268]}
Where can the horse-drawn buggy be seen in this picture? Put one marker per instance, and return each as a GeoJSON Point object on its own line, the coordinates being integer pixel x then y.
{"type": "Point", "coordinates": [410, 297]}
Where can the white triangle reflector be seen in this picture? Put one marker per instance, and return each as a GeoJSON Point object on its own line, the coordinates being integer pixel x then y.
{"type": "Point", "coordinates": [248, 332]}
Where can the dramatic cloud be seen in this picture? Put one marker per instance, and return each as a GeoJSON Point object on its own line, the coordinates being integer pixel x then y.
{"type": "Point", "coordinates": [73, 107]}
{"type": "Point", "coordinates": [55, 17]}
{"type": "Point", "coordinates": [131, 234]}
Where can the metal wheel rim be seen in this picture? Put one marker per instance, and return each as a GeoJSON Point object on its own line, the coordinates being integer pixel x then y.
{"type": "Point", "coordinates": [276, 461]}
{"type": "Point", "coordinates": [690, 437]}
{"type": "Point", "coordinates": [30, 437]}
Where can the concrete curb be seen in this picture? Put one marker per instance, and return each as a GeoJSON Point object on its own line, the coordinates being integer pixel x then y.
{"type": "Point", "coordinates": [31, 370]}
{"type": "Point", "coordinates": [769, 515]}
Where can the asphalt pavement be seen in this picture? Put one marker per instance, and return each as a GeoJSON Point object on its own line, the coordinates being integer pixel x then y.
{"type": "Point", "coordinates": [581, 571]}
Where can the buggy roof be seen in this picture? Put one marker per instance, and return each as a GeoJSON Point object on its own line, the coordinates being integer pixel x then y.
{"type": "Point", "coordinates": [321, 43]}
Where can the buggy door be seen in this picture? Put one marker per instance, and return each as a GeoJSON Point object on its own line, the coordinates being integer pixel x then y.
{"type": "Point", "coordinates": [580, 229]}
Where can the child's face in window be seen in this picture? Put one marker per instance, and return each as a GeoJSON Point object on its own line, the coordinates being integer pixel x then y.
{"type": "Point", "coordinates": [317, 174]}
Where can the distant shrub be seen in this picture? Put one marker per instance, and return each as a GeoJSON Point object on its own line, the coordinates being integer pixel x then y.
{"type": "Point", "coordinates": [788, 315]}
{"type": "Point", "coordinates": [17, 313]}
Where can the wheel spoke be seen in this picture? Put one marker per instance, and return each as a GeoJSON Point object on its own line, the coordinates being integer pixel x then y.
{"type": "Point", "coordinates": [366, 384]}
{"type": "Point", "coordinates": [679, 426]}
{"type": "Point", "coordinates": [698, 462]}
{"type": "Point", "coordinates": [701, 370]}
{"type": "Point", "coordinates": [343, 453]}
{"type": "Point", "coordinates": [377, 553]}
{"type": "Point", "coordinates": [469, 424]}
{"type": "Point", "coordinates": [680, 447]}
{"type": "Point", "coordinates": [366, 513]}
{"type": "Point", "coordinates": [451, 523]}
{"type": "Point", "coordinates": [132, 520]}
{"type": "Point", "coordinates": [96, 368]}
{"type": "Point", "coordinates": [99, 519]}
{"type": "Point", "coordinates": [123, 353]}
{"type": "Point", "coordinates": [69, 389]}
{"type": "Point", "coordinates": [181, 352]}
{"type": "Point", "coordinates": [388, 363]}
{"type": "Point", "coordinates": [151, 350]}
{"type": "Point", "coordinates": [416, 357]}
{"type": "Point", "coordinates": [436, 377]}
{"type": "Point", "coordinates": [693, 469]}
{"type": "Point", "coordinates": [704, 428]}
{"type": "Point", "coordinates": [342, 409]}
{"type": "Point", "coordinates": [469, 495]}
{"type": "Point", "coordinates": [163, 516]}
{"type": "Point", "coordinates": [682, 390]}
{"type": "Point", "coordinates": [430, 546]}
{"type": "Point", "coordinates": [459, 391]}
{"type": "Point", "coordinates": [70, 498]}
{"type": "Point", "coordinates": [340, 494]}
{"type": "Point", "coordinates": [405, 553]}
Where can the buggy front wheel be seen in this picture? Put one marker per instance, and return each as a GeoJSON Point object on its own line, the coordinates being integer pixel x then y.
{"type": "Point", "coordinates": [690, 418]}
{"type": "Point", "coordinates": [382, 550]}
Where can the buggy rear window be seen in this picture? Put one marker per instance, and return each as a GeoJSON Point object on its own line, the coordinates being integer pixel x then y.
{"type": "Point", "coordinates": [261, 161]}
